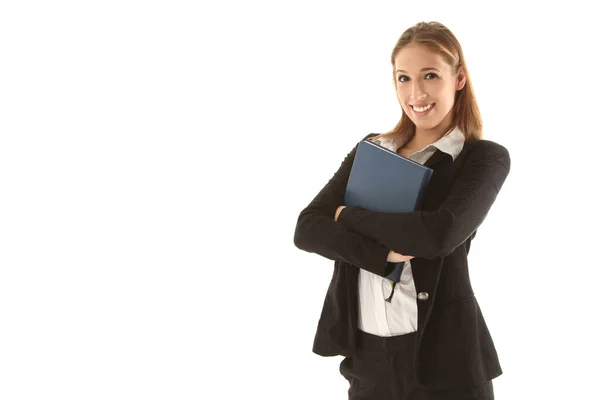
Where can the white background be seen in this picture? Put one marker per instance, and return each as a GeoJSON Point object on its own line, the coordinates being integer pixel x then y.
{"type": "Point", "coordinates": [154, 158]}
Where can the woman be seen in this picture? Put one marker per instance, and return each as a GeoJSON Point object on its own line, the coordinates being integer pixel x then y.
{"type": "Point", "coordinates": [429, 339]}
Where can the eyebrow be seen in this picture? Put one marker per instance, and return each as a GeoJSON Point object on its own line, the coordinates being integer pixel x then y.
{"type": "Point", "coordinates": [422, 69]}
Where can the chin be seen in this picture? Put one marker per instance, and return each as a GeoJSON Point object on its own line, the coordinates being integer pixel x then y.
{"type": "Point", "coordinates": [426, 125]}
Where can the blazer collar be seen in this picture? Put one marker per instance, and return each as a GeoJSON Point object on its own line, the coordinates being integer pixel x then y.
{"type": "Point", "coordinates": [449, 145]}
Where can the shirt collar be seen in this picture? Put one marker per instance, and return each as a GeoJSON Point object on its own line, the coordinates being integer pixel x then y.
{"type": "Point", "coordinates": [451, 143]}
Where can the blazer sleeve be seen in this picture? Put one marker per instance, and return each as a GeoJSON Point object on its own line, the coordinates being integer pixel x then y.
{"type": "Point", "coordinates": [318, 232]}
{"type": "Point", "coordinates": [431, 234]}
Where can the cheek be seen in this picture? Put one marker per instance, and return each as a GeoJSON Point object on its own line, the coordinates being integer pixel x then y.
{"type": "Point", "coordinates": [447, 103]}
{"type": "Point", "coordinates": [401, 94]}
{"type": "Point", "coordinates": [447, 96]}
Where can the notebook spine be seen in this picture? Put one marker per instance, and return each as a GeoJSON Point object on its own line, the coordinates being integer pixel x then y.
{"type": "Point", "coordinates": [424, 184]}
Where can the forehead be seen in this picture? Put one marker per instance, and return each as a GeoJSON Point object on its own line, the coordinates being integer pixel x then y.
{"type": "Point", "coordinates": [414, 57]}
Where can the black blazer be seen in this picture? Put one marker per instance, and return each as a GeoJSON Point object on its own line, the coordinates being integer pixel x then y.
{"type": "Point", "coordinates": [454, 346]}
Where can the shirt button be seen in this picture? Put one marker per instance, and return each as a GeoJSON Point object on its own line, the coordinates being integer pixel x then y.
{"type": "Point", "coordinates": [423, 296]}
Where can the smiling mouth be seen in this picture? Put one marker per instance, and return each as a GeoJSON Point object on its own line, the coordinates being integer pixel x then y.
{"type": "Point", "coordinates": [423, 108]}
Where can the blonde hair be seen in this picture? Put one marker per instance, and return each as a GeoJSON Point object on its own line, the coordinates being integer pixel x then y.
{"type": "Point", "coordinates": [441, 40]}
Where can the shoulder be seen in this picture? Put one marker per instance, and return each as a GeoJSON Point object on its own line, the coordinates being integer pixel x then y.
{"type": "Point", "coordinates": [487, 148]}
{"type": "Point", "coordinates": [488, 145]}
{"type": "Point", "coordinates": [486, 154]}
{"type": "Point", "coordinates": [369, 136]}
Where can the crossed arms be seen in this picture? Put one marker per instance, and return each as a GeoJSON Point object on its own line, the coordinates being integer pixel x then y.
{"type": "Point", "coordinates": [364, 238]}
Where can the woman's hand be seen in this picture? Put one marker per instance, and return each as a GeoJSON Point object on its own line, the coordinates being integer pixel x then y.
{"type": "Point", "coordinates": [337, 212]}
{"type": "Point", "coordinates": [397, 257]}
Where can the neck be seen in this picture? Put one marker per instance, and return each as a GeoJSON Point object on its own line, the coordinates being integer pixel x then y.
{"type": "Point", "coordinates": [424, 137]}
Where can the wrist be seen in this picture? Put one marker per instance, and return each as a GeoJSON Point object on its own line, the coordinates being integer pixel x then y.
{"type": "Point", "coordinates": [343, 213]}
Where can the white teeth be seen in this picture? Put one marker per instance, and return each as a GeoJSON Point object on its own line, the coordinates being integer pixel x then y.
{"type": "Point", "coordinates": [421, 109]}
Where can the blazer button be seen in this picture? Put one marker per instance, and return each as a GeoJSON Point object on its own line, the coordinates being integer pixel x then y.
{"type": "Point", "coordinates": [423, 296]}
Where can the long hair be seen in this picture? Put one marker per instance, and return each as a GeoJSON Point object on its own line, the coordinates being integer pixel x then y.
{"type": "Point", "coordinates": [441, 40]}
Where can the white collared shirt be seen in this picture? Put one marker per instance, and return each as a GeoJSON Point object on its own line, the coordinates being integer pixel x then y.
{"type": "Point", "coordinates": [375, 315]}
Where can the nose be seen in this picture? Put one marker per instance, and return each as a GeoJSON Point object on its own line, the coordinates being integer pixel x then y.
{"type": "Point", "coordinates": [417, 92]}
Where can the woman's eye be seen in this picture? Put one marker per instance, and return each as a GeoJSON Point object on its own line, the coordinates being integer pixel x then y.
{"type": "Point", "coordinates": [404, 78]}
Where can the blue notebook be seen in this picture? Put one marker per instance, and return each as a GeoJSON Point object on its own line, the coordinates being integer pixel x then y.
{"type": "Point", "coordinates": [384, 181]}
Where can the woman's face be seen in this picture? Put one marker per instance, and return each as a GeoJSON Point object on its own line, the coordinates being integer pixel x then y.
{"type": "Point", "coordinates": [425, 81]}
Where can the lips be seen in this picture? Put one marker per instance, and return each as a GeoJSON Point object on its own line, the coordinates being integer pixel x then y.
{"type": "Point", "coordinates": [425, 109]}
{"type": "Point", "coordinates": [422, 107]}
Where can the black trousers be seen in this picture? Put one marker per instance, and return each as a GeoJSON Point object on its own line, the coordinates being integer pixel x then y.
{"type": "Point", "coordinates": [383, 369]}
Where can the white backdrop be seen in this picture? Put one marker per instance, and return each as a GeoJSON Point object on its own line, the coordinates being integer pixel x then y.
{"type": "Point", "coordinates": [154, 158]}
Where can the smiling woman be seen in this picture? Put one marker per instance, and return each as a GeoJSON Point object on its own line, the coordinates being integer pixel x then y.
{"type": "Point", "coordinates": [429, 340]}
{"type": "Point", "coordinates": [433, 88]}
{"type": "Point", "coordinates": [427, 91]}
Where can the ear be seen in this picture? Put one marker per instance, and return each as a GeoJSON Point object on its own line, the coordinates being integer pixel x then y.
{"type": "Point", "coordinates": [461, 78]}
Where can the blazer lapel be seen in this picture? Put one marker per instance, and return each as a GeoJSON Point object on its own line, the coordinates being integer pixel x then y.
{"type": "Point", "coordinates": [436, 190]}
{"type": "Point", "coordinates": [436, 158]}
